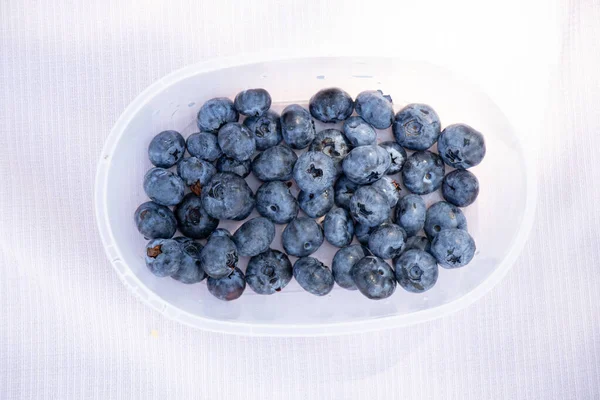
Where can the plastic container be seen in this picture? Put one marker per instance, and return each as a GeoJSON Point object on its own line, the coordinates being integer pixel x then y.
{"type": "Point", "coordinates": [499, 220]}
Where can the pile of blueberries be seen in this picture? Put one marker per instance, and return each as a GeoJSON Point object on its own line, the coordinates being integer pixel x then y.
{"type": "Point", "coordinates": [345, 176]}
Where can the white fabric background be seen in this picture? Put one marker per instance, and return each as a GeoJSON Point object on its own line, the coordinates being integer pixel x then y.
{"type": "Point", "coordinates": [70, 330]}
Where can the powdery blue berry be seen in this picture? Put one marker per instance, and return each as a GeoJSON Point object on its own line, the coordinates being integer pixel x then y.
{"type": "Point", "coordinates": [297, 127]}
{"type": "Point", "coordinates": [460, 187]}
{"type": "Point", "coordinates": [423, 172]}
{"type": "Point", "coordinates": [359, 132]}
{"type": "Point", "coordinates": [315, 205]}
{"type": "Point", "coordinates": [215, 113]}
{"type": "Point", "coordinates": [164, 187]}
{"type": "Point", "coordinates": [229, 287]}
{"type": "Point", "coordinates": [252, 102]}
{"type": "Point", "coordinates": [453, 248]}
{"type": "Point", "coordinates": [416, 270]}
{"type": "Point", "coordinates": [236, 141]}
{"type": "Point", "coordinates": [204, 145]}
{"type": "Point", "coordinates": [375, 108]}
{"type": "Point", "coordinates": [163, 257]}
{"type": "Point", "coordinates": [342, 264]}
{"type": "Point", "coordinates": [374, 278]}
{"type": "Point", "coordinates": [254, 236]}
{"type": "Point", "coordinates": [192, 219]}
{"type": "Point", "coordinates": [269, 272]}
{"type": "Point", "coordinates": [443, 215]}
{"type": "Point", "coordinates": [314, 172]}
{"type": "Point", "coordinates": [387, 241]}
{"type": "Point", "coordinates": [155, 221]}
{"type": "Point", "coordinates": [166, 149]}
{"type": "Point", "coordinates": [366, 164]}
{"type": "Point", "coordinates": [410, 214]}
{"type": "Point", "coordinates": [331, 105]}
{"type": "Point", "coordinates": [274, 164]}
{"type": "Point", "coordinates": [338, 227]}
{"type": "Point", "coordinates": [461, 146]}
{"type": "Point", "coordinates": [266, 129]}
{"type": "Point", "coordinates": [313, 276]}
{"type": "Point", "coordinates": [302, 237]}
{"type": "Point", "coordinates": [275, 202]}
{"type": "Point", "coordinates": [416, 127]}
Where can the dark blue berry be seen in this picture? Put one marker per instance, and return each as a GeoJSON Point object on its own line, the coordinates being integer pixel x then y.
{"type": "Point", "coordinates": [387, 241]}
{"type": "Point", "coordinates": [416, 270]}
{"type": "Point", "coordinates": [192, 218]}
{"type": "Point", "coordinates": [190, 270]}
{"type": "Point", "coordinates": [344, 189]}
{"type": "Point", "coordinates": [236, 141]}
{"type": "Point", "coordinates": [390, 188]}
{"type": "Point", "coordinates": [275, 202]}
{"type": "Point", "coordinates": [338, 227]}
{"type": "Point", "coordinates": [254, 236]}
{"type": "Point", "coordinates": [269, 272]}
{"type": "Point", "coordinates": [219, 256]}
{"type": "Point", "coordinates": [416, 127]}
{"type": "Point", "coordinates": [461, 146]}
{"type": "Point", "coordinates": [155, 221]}
{"type": "Point", "coordinates": [297, 127]}
{"type": "Point", "coordinates": [252, 102]}
{"type": "Point", "coordinates": [366, 164]}
{"type": "Point", "coordinates": [266, 129]}
{"type": "Point", "coordinates": [313, 276]}
{"type": "Point", "coordinates": [410, 214]}
{"type": "Point", "coordinates": [215, 113]}
{"type": "Point", "coordinates": [375, 108]}
{"type": "Point", "coordinates": [274, 164]}
{"type": "Point", "coordinates": [315, 205]}
{"type": "Point", "coordinates": [240, 168]}
{"type": "Point", "coordinates": [369, 206]}
{"type": "Point", "coordinates": [227, 196]}
{"type": "Point", "coordinates": [359, 132]}
{"type": "Point", "coordinates": [314, 172]}
{"type": "Point", "coordinates": [443, 215]}
{"type": "Point", "coordinates": [196, 173]}
{"type": "Point", "coordinates": [460, 187]}
{"type": "Point", "coordinates": [302, 237]}
{"type": "Point", "coordinates": [164, 256]}
{"type": "Point", "coordinates": [374, 278]}
{"type": "Point", "coordinates": [343, 261]}
{"type": "Point", "coordinates": [331, 105]}
{"type": "Point", "coordinates": [332, 143]}
{"type": "Point", "coordinates": [423, 172]}
{"type": "Point", "coordinates": [164, 187]}
{"type": "Point", "coordinates": [166, 149]}
{"type": "Point", "coordinates": [229, 287]}
{"type": "Point", "coordinates": [204, 145]}
{"type": "Point", "coordinates": [453, 248]}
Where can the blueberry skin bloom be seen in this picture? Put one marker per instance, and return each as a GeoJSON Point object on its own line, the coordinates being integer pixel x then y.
{"type": "Point", "coordinates": [275, 202]}
{"type": "Point", "coordinates": [331, 105]}
{"type": "Point", "coordinates": [240, 168]}
{"type": "Point", "coordinates": [332, 143]}
{"type": "Point", "coordinates": [221, 232]}
{"type": "Point", "coordinates": [266, 129]}
{"type": "Point", "coordinates": [387, 241]}
{"type": "Point", "coordinates": [443, 215]}
{"type": "Point", "coordinates": [397, 157]}
{"type": "Point", "coordinates": [374, 278]}
{"type": "Point", "coordinates": [343, 261]}
{"type": "Point", "coordinates": [416, 271]}
{"type": "Point", "coordinates": [417, 243]}
{"type": "Point", "coordinates": [193, 220]}
{"type": "Point", "coordinates": [190, 270]}
{"type": "Point", "coordinates": [344, 189]}
{"type": "Point", "coordinates": [229, 287]}
{"type": "Point", "coordinates": [254, 236]}
{"type": "Point", "coordinates": [204, 145]}
{"type": "Point", "coordinates": [314, 172]}
{"type": "Point", "coordinates": [274, 164]}
{"type": "Point", "coordinates": [461, 146]}
{"type": "Point", "coordinates": [313, 276]}
{"type": "Point", "coordinates": [366, 164]}
{"type": "Point", "coordinates": [390, 189]}
{"type": "Point", "coordinates": [163, 187]}
{"type": "Point", "coordinates": [196, 173]}
{"type": "Point", "coordinates": [369, 206]}
{"type": "Point", "coordinates": [236, 141]}
{"type": "Point", "coordinates": [297, 127]}
{"type": "Point", "coordinates": [410, 214]}
{"type": "Point", "coordinates": [252, 102]}
{"type": "Point", "coordinates": [375, 108]}
{"type": "Point", "coordinates": [219, 257]}
{"type": "Point", "coordinates": [163, 257]}
{"type": "Point", "coordinates": [453, 248]}
{"type": "Point", "coordinates": [315, 205]}
{"type": "Point", "coordinates": [227, 196]}
{"type": "Point", "coordinates": [215, 113]}
{"type": "Point", "coordinates": [166, 149]}
{"type": "Point", "coordinates": [423, 172]}
{"type": "Point", "coordinates": [338, 227]}
{"type": "Point", "coordinates": [460, 187]}
{"type": "Point", "coordinates": [155, 221]}
{"type": "Point", "coordinates": [359, 132]}
{"type": "Point", "coordinates": [302, 237]}
{"type": "Point", "coordinates": [416, 127]}
{"type": "Point", "coordinates": [269, 272]}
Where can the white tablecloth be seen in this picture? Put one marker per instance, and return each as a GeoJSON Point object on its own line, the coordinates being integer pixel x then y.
{"type": "Point", "coordinates": [70, 330]}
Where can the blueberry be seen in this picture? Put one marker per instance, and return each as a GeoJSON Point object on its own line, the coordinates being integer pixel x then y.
{"type": "Point", "coordinates": [315, 205]}
{"type": "Point", "coordinates": [164, 257]}
{"type": "Point", "coordinates": [416, 127]}
{"type": "Point", "coordinates": [163, 187]}
{"type": "Point", "coordinates": [397, 157]}
{"type": "Point", "coordinates": [359, 132]}
{"type": "Point", "coordinates": [343, 191]}
{"type": "Point", "coordinates": [302, 237]}
{"type": "Point", "coordinates": [423, 172]}
{"type": "Point", "coordinates": [229, 287]}
{"type": "Point", "coordinates": [363, 232]}
{"type": "Point", "coordinates": [166, 149]}
{"type": "Point", "coordinates": [461, 146]}
{"type": "Point", "coordinates": [417, 243]}
{"type": "Point", "coordinates": [366, 164]}
{"type": "Point", "coordinates": [443, 215]}
{"type": "Point", "coordinates": [236, 141]}
{"type": "Point", "coordinates": [387, 241]}
{"type": "Point", "coordinates": [204, 145]}
{"type": "Point", "coordinates": [374, 278]}
{"type": "Point", "coordinates": [332, 143]}
{"type": "Point", "coordinates": [252, 102]}
{"type": "Point", "coordinates": [240, 168]}
{"type": "Point", "coordinates": [314, 172]}
{"type": "Point", "coordinates": [215, 113]}
{"type": "Point", "coordinates": [375, 108]}
{"type": "Point", "coordinates": [313, 276]}
{"type": "Point", "coordinates": [221, 232]}
{"type": "Point", "coordinates": [297, 127]}
{"type": "Point", "coordinates": [254, 236]}
{"type": "Point", "coordinates": [390, 189]}
{"type": "Point", "coordinates": [219, 256]}
{"type": "Point", "coordinates": [196, 173]}
{"type": "Point", "coordinates": [338, 227]}
{"type": "Point", "coordinates": [416, 270]}
{"type": "Point", "coordinates": [266, 129]}
{"type": "Point", "coordinates": [410, 214]}
{"type": "Point", "coordinates": [193, 220]}
{"type": "Point", "coordinates": [343, 261]}
{"type": "Point", "coordinates": [274, 164]}
{"type": "Point", "coordinates": [269, 272]}
{"type": "Point", "coordinates": [460, 187]}
{"type": "Point", "coordinates": [190, 270]}
{"type": "Point", "coordinates": [155, 221]}
{"type": "Point", "coordinates": [369, 206]}
{"type": "Point", "coordinates": [331, 105]}
{"type": "Point", "coordinates": [453, 248]}
{"type": "Point", "coordinates": [275, 202]}
{"type": "Point", "coordinates": [227, 196]}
